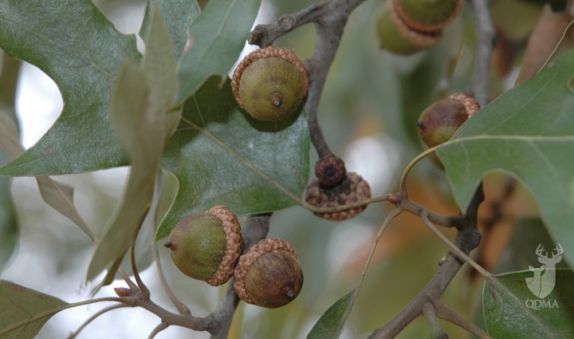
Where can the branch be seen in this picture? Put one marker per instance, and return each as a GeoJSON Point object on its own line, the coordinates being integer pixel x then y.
{"type": "Point", "coordinates": [182, 309]}
{"type": "Point", "coordinates": [430, 316]}
{"type": "Point", "coordinates": [466, 240]}
{"type": "Point", "coordinates": [485, 41]}
{"type": "Point", "coordinates": [445, 313]}
{"type": "Point", "coordinates": [94, 317]}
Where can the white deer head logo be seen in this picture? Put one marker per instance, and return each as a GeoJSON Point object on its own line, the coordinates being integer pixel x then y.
{"type": "Point", "coordinates": [545, 276]}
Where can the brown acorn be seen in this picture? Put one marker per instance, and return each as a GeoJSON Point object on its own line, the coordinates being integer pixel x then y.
{"type": "Point", "coordinates": [270, 83]}
{"type": "Point", "coordinates": [438, 122]}
{"type": "Point", "coordinates": [352, 189]}
{"type": "Point", "coordinates": [268, 274]}
{"type": "Point", "coordinates": [205, 246]}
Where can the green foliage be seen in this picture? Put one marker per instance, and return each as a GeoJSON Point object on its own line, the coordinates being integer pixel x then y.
{"type": "Point", "coordinates": [221, 155]}
{"type": "Point", "coordinates": [330, 322]}
{"type": "Point", "coordinates": [528, 131]}
{"type": "Point", "coordinates": [511, 310]}
{"type": "Point", "coordinates": [23, 311]}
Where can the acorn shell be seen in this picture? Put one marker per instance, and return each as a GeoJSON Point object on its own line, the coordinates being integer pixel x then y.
{"type": "Point", "coordinates": [269, 274]}
{"type": "Point", "coordinates": [270, 83]}
{"type": "Point", "coordinates": [438, 122]}
{"type": "Point", "coordinates": [205, 246]}
{"type": "Point", "coordinates": [427, 15]}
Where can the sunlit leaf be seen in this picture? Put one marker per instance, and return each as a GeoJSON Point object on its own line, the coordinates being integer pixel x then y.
{"type": "Point", "coordinates": [220, 155]}
{"type": "Point", "coordinates": [529, 132]}
{"type": "Point", "coordinates": [329, 323]}
{"type": "Point", "coordinates": [23, 311]}
{"type": "Point", "coordinates": [177, 15]}
{"type": "Point", "coordinates": [216, 38]}
{"type": "Point", "coordinates": [74, 44]}
{"type": "Point", "coordinates": [515, 312]}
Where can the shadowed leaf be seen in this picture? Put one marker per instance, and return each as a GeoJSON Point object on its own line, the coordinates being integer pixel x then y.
{"type": "Point", "coordinates": [216, 38]}
{"type": "Point", "coordinates": [21, 310]}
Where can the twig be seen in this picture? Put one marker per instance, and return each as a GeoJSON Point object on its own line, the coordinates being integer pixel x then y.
{"type": "Point", "coordinates": [430, 316]}
{"type": "Point", "coordinates": [182, 309]}
{"type": "Point", "coordinates": [445, 313]}
{"type": "Point", "coordinates": [330, 18]}
{"type": "Point", "coordinates": [162, 326]}
{"type": "Point", "coordinates": [485, 41]}
{"type": "Point", "coordinates": [133, 287]}
{"type": "Point", "coordinates": [466, 240]}
{"type": "Point", "coordinates": [143, 288]}
{"type": "Point", "coordinates": [94, 317]}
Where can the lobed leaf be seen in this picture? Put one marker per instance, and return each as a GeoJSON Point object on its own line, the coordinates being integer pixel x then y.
{"type": "Point", "coordinates": [220, 155]}
{"type": "Point", "coordinates": [529, 132]}
{"type": "Point", "coordinates": [74, 44]}
{"type": "Point", "coordinates": [23, 311]}
{"type": "Point", "coordinates": [512, 311]}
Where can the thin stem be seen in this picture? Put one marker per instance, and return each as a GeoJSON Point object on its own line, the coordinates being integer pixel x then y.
{"type": "Point", "coordinates": [403, 184]}
{"type": "Point", "coordinates": [94, 317]}
{"type": "Point", "coordinates": [162, 326]}
{"type": "Point", "coordinates": [143, 288]}
{"type": "Point", "coordinates": [182, 309]}
{"type": "Point", "coordinates": [444, 312]}
{"type": "Point", "coordinates": [455, 249]}
{"type": "Point", "coordinates": [430, 316]}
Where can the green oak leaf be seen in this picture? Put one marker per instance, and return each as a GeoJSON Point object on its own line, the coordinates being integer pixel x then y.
{"type": "Point", "coordinates": [177, 15]}
{"type": "Point", "coordinates": [74, 44]}
{"type": "Point", "coordinates": [216, 38]}
{"type": "Point", "coordinates": [330, 322]}
{"type": "Point", "coordinates": [511, 310]}
{"type": "Point", "coordinates": [529, 132]}
{"type": "Point", "coordinates": [23, 311]}
{"type": "Point", "coordinates": [220, 155]}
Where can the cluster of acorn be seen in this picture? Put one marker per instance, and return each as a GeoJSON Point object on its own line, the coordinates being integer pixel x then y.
{"type": "Point", "coordinates": [408, 26]}
{"type": "Point", "coordinates": [207, 246]}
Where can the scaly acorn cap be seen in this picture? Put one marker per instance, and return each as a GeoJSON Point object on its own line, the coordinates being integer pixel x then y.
{"type": "Point", "coordinates": [206, 245]}
{"type": "Point", "coordinates": [287, 90]}
{"type": "Point", "coordinates": [352, 189]}
{"type": "Point", "coordinates": [418, 38]}
{"type": "Point", "coordinates": [268, 274]}
{"type": "Point", "coordinates": [427, 15]}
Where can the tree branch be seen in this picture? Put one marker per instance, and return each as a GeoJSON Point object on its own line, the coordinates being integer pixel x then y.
{"type": "Point", "coordinates": [485, 41]}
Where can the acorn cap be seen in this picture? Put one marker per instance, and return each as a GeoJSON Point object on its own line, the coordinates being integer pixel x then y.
{"type": "Point", "coordinates": [267, 52]}
{"type": "Point", "coordinates": [330, 170]}
{"type": "Point", "coordinates": [206, 245]}
{"type": "Point", "coordinates": [472, 106]}
{"type": "Point", "coordinates": [418, 38]}
{"type": "Point", "coordinates": [427, 15]}
{"type": "Point", "coordinates": [278, 278]}
{"type": "Point", "coordinates": [353, 189]}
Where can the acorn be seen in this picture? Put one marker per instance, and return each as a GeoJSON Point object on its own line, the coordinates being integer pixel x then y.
{"type": "Point", "coordinates": [206, 246]}
{"type": "Point", "coordinates": [352, 189]}
{"type": "Point", "coordinates": [268, 274]}
{"type": "Point", "coordinates": [270, 83]}
{"type": "Point", "coordinates": [427, 15]}
{"type": "Point", "coordinates": [397, 37]}
{"type": "Point", "coordinates": [438, 122]}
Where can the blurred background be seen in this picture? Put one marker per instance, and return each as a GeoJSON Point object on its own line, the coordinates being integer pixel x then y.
{"type": "Point", "coordinates": [368, 113]}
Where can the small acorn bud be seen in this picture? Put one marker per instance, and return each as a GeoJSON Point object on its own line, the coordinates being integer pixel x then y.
{"type": "Point", "coordinates": [397, 37]}
{"type": "Point", "coordinates": [269, 274]}
{"type": "Point", "coordinates": [427, 15]}
{"type": "Point", "coordinates": [270, 83]}
{"type": "Point", "coordinates": [438, 122]}
{"type": "Point", "coordinates": [205, 246]}
{"type": "Point", "coordinates": [330, 170]}
{"type": "Point", "coordinates": [351, 190]}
